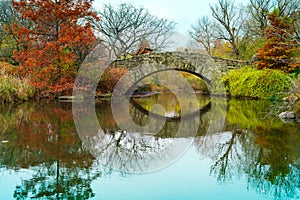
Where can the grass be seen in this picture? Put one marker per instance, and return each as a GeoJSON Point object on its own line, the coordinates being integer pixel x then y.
{"type": "Point", "coordinates": [12, 88]}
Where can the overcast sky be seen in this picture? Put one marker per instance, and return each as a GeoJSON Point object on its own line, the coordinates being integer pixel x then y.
{"type": "Point", "coordinates": [183, 12]}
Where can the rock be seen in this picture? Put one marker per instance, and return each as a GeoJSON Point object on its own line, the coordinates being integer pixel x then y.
{"type": "Point", "coordinates": [290, 115]}
{"type": "Point", "coordinates": [70, 98]}
{"type": "Point", "coordinates": [287, 115]}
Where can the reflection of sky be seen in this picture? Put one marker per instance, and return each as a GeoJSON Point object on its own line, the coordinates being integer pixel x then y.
{"type": "Point", "coordinates": [9, 179]}
{"type": "Point", "coordinates": [183, 12]}
{"type": "Point", "coordinates": [188, 178]}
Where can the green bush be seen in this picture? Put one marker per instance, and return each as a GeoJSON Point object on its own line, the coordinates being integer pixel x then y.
{"type": "Point", "coordinates": [257, 84]}
{"type": "Point", "coordinates": [294, 96]}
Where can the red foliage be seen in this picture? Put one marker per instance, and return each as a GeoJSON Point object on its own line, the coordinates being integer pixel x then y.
{"type": "Point", "coordinates": [280, 47]}
{"type": "Point", "coordinates": [49, 53]}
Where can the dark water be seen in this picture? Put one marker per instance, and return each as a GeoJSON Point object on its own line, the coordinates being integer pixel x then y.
{"type": "Point", "coordinates": [238, 150]}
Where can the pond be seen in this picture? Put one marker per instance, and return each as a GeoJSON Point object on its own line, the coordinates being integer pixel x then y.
{"type": "Point", "coordinates": [235, 149]}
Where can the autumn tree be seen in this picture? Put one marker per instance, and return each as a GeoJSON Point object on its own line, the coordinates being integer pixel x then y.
{"type": "Point", "coordinates": [280, 47]}
{"type": "Point", "coordinates": [51, 51]}
{"type": "Point", "coordinates": [122, 28]}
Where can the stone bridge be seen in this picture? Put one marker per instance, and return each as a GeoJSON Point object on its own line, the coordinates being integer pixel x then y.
{"type": "Point", "coordinates": [201, 65]}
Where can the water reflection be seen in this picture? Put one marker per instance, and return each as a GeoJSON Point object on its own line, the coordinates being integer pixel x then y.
{"type": "Point", "coordinates": [172, 109]}
{"type": "Point", "coordinates": [266, 150]}
{"type": "Point", "coordinates": [42, 137]}
{"type": "Point", "coordinates": [139, 116]}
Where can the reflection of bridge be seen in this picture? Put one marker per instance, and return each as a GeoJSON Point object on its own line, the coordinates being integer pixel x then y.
{"type": "Point", "coordinates": [189, 116]}
{"type": "Point", "coordinates": [141, 116]}
{"type": "Point", "coordinates": [201, 65]}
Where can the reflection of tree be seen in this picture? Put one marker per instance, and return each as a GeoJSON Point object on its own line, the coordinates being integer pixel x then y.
{"type": "Point", "coordinates": [47, 143]}
{"type": "Point", "coordinates": [266, 150]}
{"type": "Point", "coordinates": [128, 152]}
{"type": "Point", "coordinates": [249, 114]}
{"type": "Point", "coordinates": [224, 157]}
{"type": "Point", "coordinates": [277, 168]}
{"type": "Point", "coordinates": [223, 149]}
{"type": "Point", "coordinates": [55, 181]}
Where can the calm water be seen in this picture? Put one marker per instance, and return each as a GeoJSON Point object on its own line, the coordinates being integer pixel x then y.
{"type": "Point", "coordinates": [237, 151]}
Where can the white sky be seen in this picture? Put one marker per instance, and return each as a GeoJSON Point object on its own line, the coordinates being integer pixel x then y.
{"type": "Point", "coordinates": [183, 12]}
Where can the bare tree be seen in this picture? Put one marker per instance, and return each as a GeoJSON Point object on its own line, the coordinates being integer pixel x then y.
{"type": "Point", "coordinates": [204, 33]}
{"type": "Point", "coordinates": [122, 28]}
{"type": "Point", "coordinates": [231, 19]}
{"type": "Point", "coordinates": [296, 24]}
{"type": "Point", "coordinates": [259, 10]}
{"type": "Point", "coordinates": [292, 10]}
{"type": "Point", "coordinates": [287, 7]}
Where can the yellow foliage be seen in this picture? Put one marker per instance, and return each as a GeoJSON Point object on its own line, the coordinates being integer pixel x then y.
{"type": "Point", "coordinates": [222, 49]}
{"type": "Point", "coordinates": [6, 68]}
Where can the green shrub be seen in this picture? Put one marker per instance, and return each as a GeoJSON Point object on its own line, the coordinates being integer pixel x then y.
{"type": "Point", "coordinates": [257, 84]}
{"type": "Point", "coordinates": [294, 96]}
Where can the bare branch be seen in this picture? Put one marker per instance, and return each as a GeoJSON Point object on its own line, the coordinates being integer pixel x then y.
{"type": "Point", "coordinates": [204, 33]}
{"type": "Point", "coordinates": [231, 20]}
{"type": "Point", "coordinates": [123, 27]}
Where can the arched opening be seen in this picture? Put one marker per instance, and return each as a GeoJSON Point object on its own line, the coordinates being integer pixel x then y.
{"type": "Point", "coordinates": [197, 82]}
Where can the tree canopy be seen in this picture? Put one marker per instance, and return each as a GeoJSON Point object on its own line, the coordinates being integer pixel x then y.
{"type": "Point", "coordinates": [281, 46]}
{"type": "Point", "coordinates": [50, 51]}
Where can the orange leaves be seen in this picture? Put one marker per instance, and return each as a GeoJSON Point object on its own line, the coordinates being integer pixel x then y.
{"type": "Point", "coordinates": [49, 50]}
{"type": "Point", "coordinates": [280, 47]}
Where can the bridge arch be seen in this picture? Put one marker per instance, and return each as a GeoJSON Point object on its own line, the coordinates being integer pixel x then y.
{"type": "Point", "coordinates": [141, 66]}
{"type": "Point", "coordinates": [137, 81]}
